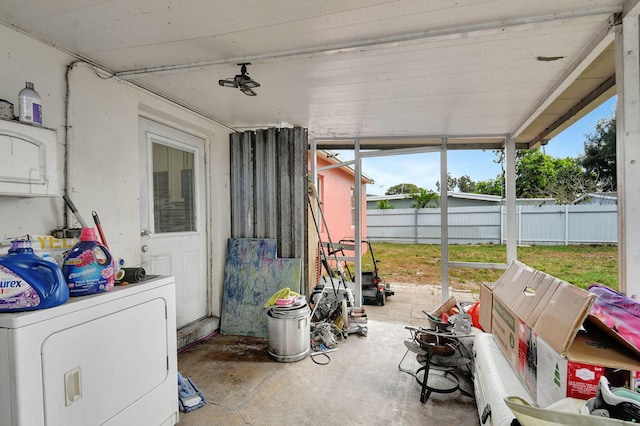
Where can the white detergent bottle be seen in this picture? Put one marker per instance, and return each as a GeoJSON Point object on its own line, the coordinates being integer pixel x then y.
{"type": "Point", "coordinates": [30, 105]}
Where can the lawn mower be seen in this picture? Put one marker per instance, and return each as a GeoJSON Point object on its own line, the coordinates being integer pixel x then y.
{"type": "Point", "coordinates": [374, 289]}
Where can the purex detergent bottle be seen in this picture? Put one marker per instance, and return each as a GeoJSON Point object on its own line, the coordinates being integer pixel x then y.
{"type": "Point", "coordinates": [88, 266]}
{"type": "Point", "coordinates": [28, 281]}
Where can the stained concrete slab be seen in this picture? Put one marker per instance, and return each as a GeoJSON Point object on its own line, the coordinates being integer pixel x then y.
{"type": "Point", "coordinates": [360, 383]}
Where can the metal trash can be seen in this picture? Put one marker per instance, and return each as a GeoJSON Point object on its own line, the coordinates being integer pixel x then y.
{"type": "Point", "coordinates": [289, 330]}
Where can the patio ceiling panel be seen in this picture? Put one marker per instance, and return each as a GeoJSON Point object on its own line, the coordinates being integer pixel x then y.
{"type": "Point", "coordinates": [344, 68]}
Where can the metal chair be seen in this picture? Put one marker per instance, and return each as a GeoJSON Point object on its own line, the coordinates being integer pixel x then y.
{"type": "Point", "coordinates": [439, 354]}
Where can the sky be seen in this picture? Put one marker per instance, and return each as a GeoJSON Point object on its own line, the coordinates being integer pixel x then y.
{"type": "Point", "coordinates": [423, 170]}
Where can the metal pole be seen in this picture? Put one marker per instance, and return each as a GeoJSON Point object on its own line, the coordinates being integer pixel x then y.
{"type": "Point", "coordinates": [357, 194]}
{"type": "Point", "coordinates": [510, 183]}
{"type": "Point", "coordinates": [444, 221]}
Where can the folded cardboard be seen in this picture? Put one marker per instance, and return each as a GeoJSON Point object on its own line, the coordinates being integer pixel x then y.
{"type": "Point", "coordinates": [595, 321]}
{"type": "Point", "coordinates": [486, 306]}
{"type": "Point", "coordinates": [536, 318]}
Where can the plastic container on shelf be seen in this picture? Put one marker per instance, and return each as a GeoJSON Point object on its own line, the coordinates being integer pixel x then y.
{"type": "Point", "coordinates": [28, 281]}
{"type": "Point", "coordinates": [30, 105]}
{"type": "Point", "coordinates": [88, 266]}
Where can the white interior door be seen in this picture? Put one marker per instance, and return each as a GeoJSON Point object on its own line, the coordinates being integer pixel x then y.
{"type": "Point", "coordinates": [173, 210]}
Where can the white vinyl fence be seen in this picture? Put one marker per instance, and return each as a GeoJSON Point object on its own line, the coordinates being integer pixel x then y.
{"type": "Point", "coordinates": [540, 225]}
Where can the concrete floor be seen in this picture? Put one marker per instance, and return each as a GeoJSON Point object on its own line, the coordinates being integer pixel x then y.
{"type": "Point", "coordinates": [361, 385]}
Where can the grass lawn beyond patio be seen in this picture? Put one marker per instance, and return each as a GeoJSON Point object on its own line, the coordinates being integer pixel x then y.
{"type": "Point", "coordinates": [580, 265]}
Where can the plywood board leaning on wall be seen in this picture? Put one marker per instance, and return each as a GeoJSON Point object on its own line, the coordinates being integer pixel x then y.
{"type": "Point", "coordinates": [253, 273]}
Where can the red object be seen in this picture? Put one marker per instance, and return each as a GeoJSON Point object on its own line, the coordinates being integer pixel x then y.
{"type": "Point", "coordinates": [474, 311]}
{"type": "Point", "coordinates": [444, 317]}
{"type": "Point", "coordinates": [96, 219]}
{"type": "Point", "coordinates": [582, 380]}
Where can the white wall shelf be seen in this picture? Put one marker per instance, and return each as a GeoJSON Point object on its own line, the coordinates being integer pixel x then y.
{"type": "Point", "coordinates": [28, 160]}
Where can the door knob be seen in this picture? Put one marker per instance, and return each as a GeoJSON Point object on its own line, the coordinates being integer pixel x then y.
{"type": "Point", "coordinates": [144, 248]}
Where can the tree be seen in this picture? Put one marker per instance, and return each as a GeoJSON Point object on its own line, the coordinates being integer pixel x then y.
{"type": "Point", "coordinates": [565, 179]}
{"type": "Point", "coordinates": [599, 157]}
{"type": "Point", "coordinates": [384, 205]}
{"type": "Point", "coordinates": [451, 183]}
{"type": "Point", "coordinates": [465, 184]}
{"type": "Point", "coordinates": [402, 188]}
{"type": "Point", "coordinates": [535, 171]}
{"type": "Point", "coordinates": [571, 182]}
{"type": "Point", "coordinates": [424, 198]}
{"type": "Point", "coordinates": [540, 175]}
{"type": "Point", "coordinates": [491, 186]}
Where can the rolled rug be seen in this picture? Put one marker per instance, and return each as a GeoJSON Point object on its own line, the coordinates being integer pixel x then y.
{"type": "Point", "coordinates": [134, 275]}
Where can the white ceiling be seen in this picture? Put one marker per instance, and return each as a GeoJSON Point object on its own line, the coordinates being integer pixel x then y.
{"type": "Point", "coordinates": [351, 68]}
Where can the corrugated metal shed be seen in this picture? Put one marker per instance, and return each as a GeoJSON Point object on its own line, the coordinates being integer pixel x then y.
{"type": "Point", "coordinates": [269, 188]}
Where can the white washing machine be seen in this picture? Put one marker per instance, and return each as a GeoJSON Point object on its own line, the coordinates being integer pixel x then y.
{"type": "Point", "coordinates": [105, 359]}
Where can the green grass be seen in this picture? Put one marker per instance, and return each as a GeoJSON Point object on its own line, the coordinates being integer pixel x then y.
{"type": "Point", "coordinates": [580, 265]}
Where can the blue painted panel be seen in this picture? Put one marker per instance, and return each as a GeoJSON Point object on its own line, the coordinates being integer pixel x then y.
{"type": "Point", "coordinates": [252, 274]}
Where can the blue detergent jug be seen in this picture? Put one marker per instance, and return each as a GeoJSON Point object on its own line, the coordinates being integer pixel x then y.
{"type": "Point", "coordinates": [28, 281]}
{"type": "Point", "coordinates": [88, 266]}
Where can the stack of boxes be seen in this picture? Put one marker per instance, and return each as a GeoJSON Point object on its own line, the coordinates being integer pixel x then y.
{"type": "Point", "coordinates": [538, 321]}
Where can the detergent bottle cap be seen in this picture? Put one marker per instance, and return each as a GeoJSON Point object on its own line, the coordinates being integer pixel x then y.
{"type": "Point", "coordinates": [88, 234]}
{"type": "Point", "coordinates": [21, 246]}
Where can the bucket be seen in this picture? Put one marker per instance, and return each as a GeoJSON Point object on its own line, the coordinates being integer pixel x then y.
{"type": "Point", "coordinates": [289, 332]}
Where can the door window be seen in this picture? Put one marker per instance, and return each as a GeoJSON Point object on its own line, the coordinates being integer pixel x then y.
{"type": "Point", "coordinates": [173, 189]}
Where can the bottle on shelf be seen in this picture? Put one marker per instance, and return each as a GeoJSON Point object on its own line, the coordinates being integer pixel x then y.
{"type": "Point", "coordinates": [30, 105]}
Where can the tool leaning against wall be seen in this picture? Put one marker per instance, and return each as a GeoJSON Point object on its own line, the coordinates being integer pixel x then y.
{"type": "Point", "coordinates": [122, 275]}
{"type": "Point", "coordinates": [334, 315]}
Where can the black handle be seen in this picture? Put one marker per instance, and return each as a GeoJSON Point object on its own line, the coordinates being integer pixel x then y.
{"type": "Point", "coordinates": [69, 203]}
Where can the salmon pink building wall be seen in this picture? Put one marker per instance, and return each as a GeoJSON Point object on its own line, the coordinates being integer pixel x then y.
{"type": "Point", "coordinates": [335, 190]}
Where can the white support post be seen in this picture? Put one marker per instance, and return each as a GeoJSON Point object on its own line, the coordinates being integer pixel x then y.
{"type": "Point", "coordinates": [444, 221]}
{"type": "Point", "coordinates": [628, 152]}
{"type": "Point", "coordinates": [519, 224]}
{"type": "Point", "coordinates": [510, 183]}
{"type": "Point", "coordinates": [357, 194]}
{"type": "Point", "coordinates": [416, 231]}
{"type": "Point", "coordinates": [566, 225]}
{"type": "Point", "coordinates": [501, 223]}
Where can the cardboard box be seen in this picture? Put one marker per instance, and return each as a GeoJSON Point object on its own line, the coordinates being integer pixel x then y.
{"type": "Point", "coordinates": [527, 359]}
{"type": "Point", "coordinates": [512, 306]}
{"type": "Point", "coordinates": [504, 326]}
{"type": "Point", "coordinates": [486, 306]}
{"type": "Point", "coordinates": [536, 319]}
{"type": "Point", "coordinates": [577, 374]}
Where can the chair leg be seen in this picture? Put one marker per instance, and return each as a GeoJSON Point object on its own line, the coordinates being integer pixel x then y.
{"type": "Point", "coordinates": [404, 370]}
{"type": "Point", "coordinates": [425, 392]}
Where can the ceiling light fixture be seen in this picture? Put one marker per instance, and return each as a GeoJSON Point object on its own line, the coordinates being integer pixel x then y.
{"type": "Point", "coordinates": [241, 81]}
